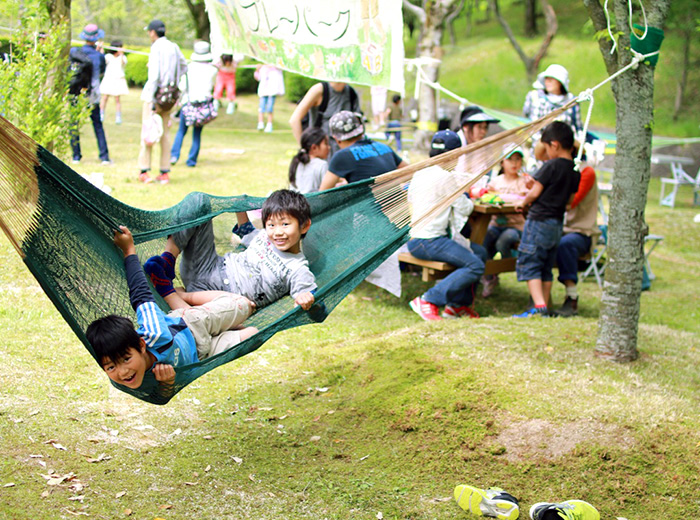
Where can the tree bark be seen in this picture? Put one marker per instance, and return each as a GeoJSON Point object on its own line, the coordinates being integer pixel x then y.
{"type": "Point", "coordinates": [432, 16]}
{"type": "Point", "coordinates": [531, 63]}
{"type": "Point", "coordinates": [530, 18]}
{"type": "Point", "coordinates": [634, 97]}
{"type": "Point", "coordinates": [201, 20]}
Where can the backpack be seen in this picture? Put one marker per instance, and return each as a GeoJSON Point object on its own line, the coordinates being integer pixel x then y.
{"type": "Point", "coordinates": [80, 68]}
{"type": "Point", "coordinates": [318, 120]}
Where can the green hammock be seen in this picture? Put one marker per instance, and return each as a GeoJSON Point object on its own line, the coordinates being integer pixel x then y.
{"type": "Point", "coordinates": [62, 227]}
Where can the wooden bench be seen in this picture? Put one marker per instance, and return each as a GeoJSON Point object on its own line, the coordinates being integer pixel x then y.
{"type": "Point", "coordinates": [432, 270]}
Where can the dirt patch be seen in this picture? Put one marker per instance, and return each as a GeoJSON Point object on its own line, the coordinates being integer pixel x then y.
{"type": "Point", "coordinates": [541, 439]}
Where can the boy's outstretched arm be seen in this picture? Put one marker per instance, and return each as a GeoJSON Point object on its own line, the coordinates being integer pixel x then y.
{"type": "Point", "coordinates": [124, 240]}
{"type": "Point", "coordinates": [305, 300]}
{"type": "Point", "coordinates": [531, 196]}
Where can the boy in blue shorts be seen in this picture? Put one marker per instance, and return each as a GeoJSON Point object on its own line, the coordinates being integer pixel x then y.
{"type": "Point", "coordinates": [555, 185]}
{"type": "Point", "coordinates": [201, 324]}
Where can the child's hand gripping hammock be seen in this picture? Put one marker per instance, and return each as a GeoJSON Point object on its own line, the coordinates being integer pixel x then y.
{"type": "Point", "coordinates": [62, 227]}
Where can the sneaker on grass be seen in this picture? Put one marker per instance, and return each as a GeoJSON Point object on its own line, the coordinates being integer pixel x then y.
{"type": "Point", "coordinates": [492, 502]}
{"type": "Point", "coordinates": [426, 310]}
{"type": "Point", "coordinates": [452, 312]}
{"type": "Point", "coordinates": [533, 312]}
{"type": "Point", "coordinates": [568, 309]}
{"type": "Point", "coordinates": [569, 510]}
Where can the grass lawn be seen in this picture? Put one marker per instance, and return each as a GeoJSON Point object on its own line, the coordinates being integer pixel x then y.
{"type": "Point", "coordinates": [373, 411]}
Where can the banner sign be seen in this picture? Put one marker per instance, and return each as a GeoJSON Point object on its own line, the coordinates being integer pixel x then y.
{"type": "Point", "coordinates": [353, 41]}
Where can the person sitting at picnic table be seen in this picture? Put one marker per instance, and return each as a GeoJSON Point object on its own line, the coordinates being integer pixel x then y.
{"type": "Point", "coordinates": [440, 239]}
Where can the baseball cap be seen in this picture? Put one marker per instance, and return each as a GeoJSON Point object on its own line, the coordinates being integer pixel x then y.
{"type": "Point", "coordinates": [509, 152]}
{"type": "Point", "coordinates": [345, 125]}
{"type": "Point", "coordinates": [476, 114]}
{"type": "Point", "coordinates": [155, 25]}
{"type": "Point", "coordinates": [444, 141]}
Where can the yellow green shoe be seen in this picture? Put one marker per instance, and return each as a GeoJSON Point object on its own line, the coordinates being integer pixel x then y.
{"type": "Point", "coordinates": [569, 510]}
{"type": "Point", "coordinates": [492, 502]}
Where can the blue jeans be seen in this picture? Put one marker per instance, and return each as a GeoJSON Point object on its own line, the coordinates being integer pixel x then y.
{"type": "Point", "coordinates": [267, 104]}
{"type": "Point", "coordinates": [177, 143]}
{"type": "Point", "coordinates": [397, 135]}
{"type": "Point", "coordinates": [459, 286]}
{"type": "Point", "coordinates": [501, 240]}
{"type": "Point", "coordinates": [99, 133]}
{"type": "Point", "coordinates": [538, 249]}
{"type": "Point", "coordinates": [571, 247]}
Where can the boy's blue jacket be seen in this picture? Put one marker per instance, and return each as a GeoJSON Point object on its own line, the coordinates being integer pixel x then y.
{"type": "Point", "coordinates": [166, 337]}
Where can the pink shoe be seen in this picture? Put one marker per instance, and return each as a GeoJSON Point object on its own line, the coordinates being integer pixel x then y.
{"type": "Point", "coordinates": [426, 310]}
{"type": "Point", "coordinates": [451, 312]}
{"type": "Point", "coordinates": [143, 177]}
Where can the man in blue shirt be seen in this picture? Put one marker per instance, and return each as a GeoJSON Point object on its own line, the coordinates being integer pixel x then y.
{"type": "Point", "coordinates": [91, 34]}
{"type": "Point", "coordinates": [359, 158]}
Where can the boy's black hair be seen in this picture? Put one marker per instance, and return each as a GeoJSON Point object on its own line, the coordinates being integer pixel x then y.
{"type": "Point", "coordinates": [396, 98]}
{"type": "Point", "coordinates": [111, 337]}
{"type": "Point", "coordinates": [560, 132]}
{"type": "Point", "coordinates": [287, 201]}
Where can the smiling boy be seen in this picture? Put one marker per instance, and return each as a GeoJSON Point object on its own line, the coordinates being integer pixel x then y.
{"type": "Point", "coordinates": [271, 267]}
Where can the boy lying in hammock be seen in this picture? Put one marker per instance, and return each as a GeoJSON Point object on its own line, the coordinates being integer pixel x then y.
{"type": "Point", "coordinates": [200, 325]}
{"type": "Point", "coordinates": [271, 267]}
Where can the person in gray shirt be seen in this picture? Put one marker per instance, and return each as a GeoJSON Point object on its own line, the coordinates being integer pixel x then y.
{"type": "Point", "coordinates": [271, 267]}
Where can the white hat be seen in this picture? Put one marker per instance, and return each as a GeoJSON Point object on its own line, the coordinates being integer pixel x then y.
{"type": "Point", "coordinates": [508, 151]}
{"type": "Point", "coordinates": [553, 71]}
{"type": "Point", "coordinates": [201, 51]}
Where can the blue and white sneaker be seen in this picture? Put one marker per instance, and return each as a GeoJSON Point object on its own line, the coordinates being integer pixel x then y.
{"type": "Point", "coordinates": [533, 312]}
{"type": "Point", "coordinates": [492, 502]}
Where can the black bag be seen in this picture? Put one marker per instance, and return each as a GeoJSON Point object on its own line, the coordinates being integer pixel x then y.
{"type": "Point", "coordinates": [318, 120]}
{"type": "Point", "coordinates": [166, 97]}
{"type": "Point", "coordinates": [80, 68]}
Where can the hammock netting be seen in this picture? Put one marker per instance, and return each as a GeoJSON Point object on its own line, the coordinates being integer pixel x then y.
{"type": "Point", "coordinates": [62, 226]}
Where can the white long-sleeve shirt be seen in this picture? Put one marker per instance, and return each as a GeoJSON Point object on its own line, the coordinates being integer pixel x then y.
{"type": "Point", "coordinates": [166, 64]}
{"type": "Point", "coordinates": [198, 83]}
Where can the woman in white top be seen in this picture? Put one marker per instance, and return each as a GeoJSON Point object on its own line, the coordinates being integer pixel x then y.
{"type": "Point", "coordinates": [196, 86]}
{"type": "Point", "coordinates": [114, 81]}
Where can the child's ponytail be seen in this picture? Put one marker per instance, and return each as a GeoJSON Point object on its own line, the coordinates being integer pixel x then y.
{"type": "Point", "coordinates": [310, 136]}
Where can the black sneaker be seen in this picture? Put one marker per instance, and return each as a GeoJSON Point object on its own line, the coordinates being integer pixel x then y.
{"type": "Point", "coordinates": [568, 309]}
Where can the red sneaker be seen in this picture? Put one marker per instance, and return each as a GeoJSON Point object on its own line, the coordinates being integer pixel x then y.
{"type": "Point", "coordinates": [426, 310]}
{"type": "Point", "coordinates": [451, 312]}
{"type": "Point", "coordinates": [143, 177]}
{"type": "Point", "coordinates": [163, 178]}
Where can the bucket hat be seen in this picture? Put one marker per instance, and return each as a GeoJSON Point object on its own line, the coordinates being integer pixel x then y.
{"type": "Point", "coordinates": [202, 52]}
{"type": "Point", "coordinates": [345, 125]}
{"type": "Point", "coordinates": [555, 71]}
{"type": "Point", "coordinates": [92, 33]}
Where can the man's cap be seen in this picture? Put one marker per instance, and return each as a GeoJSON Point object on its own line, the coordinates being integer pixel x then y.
{"type": "Point", "coordinates": [155, 25]}
{"type": "Point", "coordinates": [345, 125]}
{"type": "Point", "coordinates": [92, 33]}
{"type": "Point", "coordinates": [474, 114]}
{"type": "Point", "coordinates": [444, 141]}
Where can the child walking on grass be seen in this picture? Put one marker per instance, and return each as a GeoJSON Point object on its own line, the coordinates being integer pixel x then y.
{"type": "Point", "coordinates": [554, 187]}
{"type": "Point", "coordinates": [226, 80]}
{"type": "Point", "coordinates": [200, 325]}
{"type": "Point", "coordinates": [309, 165]}
{"type": "Point", "coordinates": [114, 81]}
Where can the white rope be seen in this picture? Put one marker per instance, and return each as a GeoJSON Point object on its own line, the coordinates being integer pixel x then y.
{"type": "Point", "coordinates": [629, 6]}
{"type": "Point", "coordinates": [586, 95]}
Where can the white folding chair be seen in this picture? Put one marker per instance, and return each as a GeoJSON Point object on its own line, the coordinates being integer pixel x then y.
{"type": "Point", "coordinates": [596, 256]}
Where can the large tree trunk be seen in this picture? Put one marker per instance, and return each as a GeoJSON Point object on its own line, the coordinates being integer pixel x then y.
{"type": "Point", "coordinates": [530, 18]}
{"type": "Point", "coordinates": [634, 97]}
{"type": "Point", "coordinates": [432, 17]}
{"type": "Point", "coordinates": [201, 20]}
{"type": "Point", "coordinates": [532, 64]}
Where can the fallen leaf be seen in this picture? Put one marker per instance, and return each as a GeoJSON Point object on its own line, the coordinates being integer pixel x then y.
{"type": "Point", "coordinates": [207, 437]}
{"type": "Point", "coordinates": [120, 494]}
{"type": "Point", "coordinates": [77, 487]}
{"type": "Point", "coordinates": [365, 457]}
{"type": "Point", "coordinates": [251, 477]}
{"type": "Point", "coordinates": [367, 298]}
{"type": "Point", "coordinates": [100, 458]}
{"type": "Point", "coordinates": [59, 446]}
{"type": "Point", "coordinates": [315, 438]}
{"type": "Point", "coordinates": [316, 419]}
{"type": "Point", "coordinates": [195, 474]}
{"type": "Point", "coordinates": [143, 427]}
{"type": "Point", "coordinates": [445, 499]}
{"type": "Point", "coordinates": [75, 513]}
{"type": "Point", "coordinates": [79, 498]}
{"type": "Point", "coordinates": [166, 506]}
{"type": "Point", "coordinates": [237, 460]}
{"type": "Point", "coordinates": [9, 484]}
{"type": "Point", "coordinates": [330, 412]}
{"type": "Point", "coordinates": [191, 483]}
{"type": "Point", "coordinates": [32, 414]}
{"type": "Point", "coordinates": [380, 515]}
{"type": "Point", "coordinates": [207, 469]}
{"type": "Point", "coordinates": [45, 494]}
{"type": "Point", "coordinates": [36, 456]}
{"type": "Point", "coordinates": [322, 389]}
{"type": "Point", "coordinates": [177, 432]}
{"type": "Point", "coordinates": [128, 512]}
{"type": "Point", "coordinates": [41, 463]}
{"type": "Point", "coordinates": [265, 409]}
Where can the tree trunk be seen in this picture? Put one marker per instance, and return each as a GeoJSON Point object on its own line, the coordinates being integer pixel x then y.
{"type": "Point", "coordinates": [634, 98]}
{"type": "Point", "coordinates": [530, 18]}
{"type": "Point", "coordinates": [201, 20]}
{"type": "Point", "coordinates": [531, 63]}
{"type": "Point", "coordinates": [450, 22]}
{"type": "Point", "coordinates": [59, 16]}
{"type": "Point", "coordinates": [432, 17]}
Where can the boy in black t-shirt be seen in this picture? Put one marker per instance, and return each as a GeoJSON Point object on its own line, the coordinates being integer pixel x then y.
{"type": "Point", "coordinates": [555, 185]}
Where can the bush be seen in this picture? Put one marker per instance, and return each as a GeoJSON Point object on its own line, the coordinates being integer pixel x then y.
{"type": "Point", "coordinates": [296, 86]}
{"type": "Point", "coordinates": [136, 70]}
{"type": "Point", "coordinates": [245, 82]}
